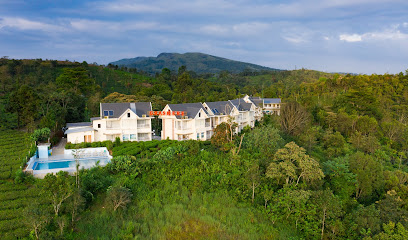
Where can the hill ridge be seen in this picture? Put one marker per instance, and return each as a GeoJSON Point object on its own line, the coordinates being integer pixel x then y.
{"type": "Point", "coordinates": [194, 61]}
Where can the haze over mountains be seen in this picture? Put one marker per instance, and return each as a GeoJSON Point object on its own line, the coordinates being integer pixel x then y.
{"type": "Point", "coordinates": [197, 62]}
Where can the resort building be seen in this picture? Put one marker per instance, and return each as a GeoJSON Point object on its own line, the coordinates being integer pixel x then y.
{"type": "Point", "coordinates": [236, 111]}
{"type": "Point", "coordinates": [185, 121]}
{"type": "Point", "coordinates": [195, 121]}
{"type": "Point", "coordinates": [264, 105]}
{"type": "Point", "coordinates": [127, 121]}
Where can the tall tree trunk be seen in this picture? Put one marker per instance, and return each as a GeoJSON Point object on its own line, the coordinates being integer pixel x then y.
{"type": "Point", "coordinates": [324, 218]}
{"type": "Point", "coordinates": [253, 191]}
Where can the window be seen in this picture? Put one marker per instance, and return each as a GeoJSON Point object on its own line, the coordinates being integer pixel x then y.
{"type": "Point", "coordinates": [199, 114]}
{"type": "Point", "coordinates": [198, 135]}
{"type": "Point", "coordinates": [99, 125]}
{"type": "Point", "coordinates": [202, 135]}
{"type": "Point", "coordinates": [110, 113]}
{"type": "Point", "coordinates": [105, 113]}
{"type": "Point", "coordinates": [125, 137]}
{"type": "Point", "coordinates": [132, 136]}
{"type": "Point", "coordinates": [128, 115]}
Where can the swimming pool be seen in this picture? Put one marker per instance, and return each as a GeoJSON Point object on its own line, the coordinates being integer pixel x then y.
{"type": "Point", "coordinates": [71, 164]}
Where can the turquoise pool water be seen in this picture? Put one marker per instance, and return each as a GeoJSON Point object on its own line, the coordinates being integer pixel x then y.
{"type": "Point", "coordinates": [83, 163]}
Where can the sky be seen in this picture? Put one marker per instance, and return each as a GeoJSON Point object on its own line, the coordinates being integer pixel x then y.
{"type": "Point", "coordinates": [356, 36]}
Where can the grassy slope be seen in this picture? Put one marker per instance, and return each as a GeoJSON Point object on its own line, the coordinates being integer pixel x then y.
{"type": "Point", "coordinates": [193, 196]}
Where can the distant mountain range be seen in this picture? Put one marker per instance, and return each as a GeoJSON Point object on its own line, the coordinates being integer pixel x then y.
{"type": "Point", "coordinates": [197, 62]}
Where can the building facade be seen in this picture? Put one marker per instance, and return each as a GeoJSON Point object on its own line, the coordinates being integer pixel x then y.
{"type": "Point", "coordinates": [194, 122]}
{"type": "Point", "coordinates": [198, 121]}
{"type": "Point", "coordinates": [264, 105]}
{"type": "Point", "coordinates": [127, 121]}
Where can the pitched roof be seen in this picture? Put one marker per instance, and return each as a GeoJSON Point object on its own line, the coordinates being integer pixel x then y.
{"type": "Point", "coordinates": [191, 108]}
{"type": "Point", "coordinates": [79, 124]}
{"type": "Point", "coordinates": [80, 129]}
{"type": "Point", "coordinates": [241, 104]}
{"type": "Point", "coordinates": [118, 109]}
{"type": "Point", "coordinates": [220, 107]}
{"type": "Point", "coordinates": [272, 100]}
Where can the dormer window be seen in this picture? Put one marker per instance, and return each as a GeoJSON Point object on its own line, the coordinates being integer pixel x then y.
{"type": "Point", "coordinates": [107, 113]}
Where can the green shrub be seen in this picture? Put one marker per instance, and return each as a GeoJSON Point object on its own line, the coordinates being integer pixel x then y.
{"type": "Point", "coordinates": [20, 176]}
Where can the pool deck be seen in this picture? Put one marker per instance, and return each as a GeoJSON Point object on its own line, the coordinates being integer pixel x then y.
{"type": "Point", "coordinates": [59, 153]}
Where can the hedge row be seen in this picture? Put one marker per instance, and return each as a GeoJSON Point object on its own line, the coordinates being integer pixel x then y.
{"type": "Point", "coordinates": [6, 187]}
{"type": "Point", "coordinates": [9, 214]}
{"type": "Point", "coordinates": [15, 234]}
{"type": "Point", "coordinates": [8, 225]}
{"type": "Point", "coordinates": [12, 195]}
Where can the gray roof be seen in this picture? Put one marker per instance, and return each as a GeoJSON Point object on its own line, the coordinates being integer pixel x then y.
{"type": "Point", "coordinates": [241, 104]}
{"type": "Point", "coordinates": [95, 118]}
{"type": "Point", "coordinates": [221, 107]}
{"type": "Point", "coordinates": [272, 100]}
{"type": "Point", "coordinates": [191, 108]}
{"type": "Point", "coordinates": [80, 129]}
{"type": "Point", "coordinates": [118, 109]}
{"type": "Point", "coordinates": [79, 124]}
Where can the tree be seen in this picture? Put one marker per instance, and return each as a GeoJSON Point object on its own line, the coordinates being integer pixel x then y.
{"type": "Point", "coordinates": [367, 144]}
{"type": "Point", "coordinates": [370, 178]}
{"type": "Point", "coordinates": [253, 177]}
{"type": "Point", "coordinates": [41, 135]}
{"type": "Point", "coordinates": [35, 217]}
{"type": "Point", "coordinates": [222, 137]}
{"type": "Point", "coordinates": [392, 208]}
{"type": "Point", "coordinates": [265, 140]}
{"type": "Point", "coordinates": [329, 207]}
{"type": "Point", "coordinates": [292, 164]}
{"type": "Point", "coordinates": [76, 79]}
{"type": "Point", "coordinates": [118, 197]}
{"type": "Point", "coordinates": [23, 102]}
{"type": "Point", "coordinates": [58, 188]}
{"type": "Point", "coordinates": [75, 204]}
{"type": "Point", "coordinates": [294, 118]}
{"type": "Point", "coordinates": [338, 175]}
{"type": "Point", "coordinates": [334, 143]}
{"type": "Point", "coordinates": [309, 137]}
{"type": "Point", "coordinates": [392, 231]}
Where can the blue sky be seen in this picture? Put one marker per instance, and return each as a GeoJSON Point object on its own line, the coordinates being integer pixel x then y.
{"type": "Point", "coordinates": [359, 36]}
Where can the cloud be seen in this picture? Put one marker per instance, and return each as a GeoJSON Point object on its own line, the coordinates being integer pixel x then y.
{"type": "Point", "coordinates": [96, 26]}
{"type": "Point", "coordinates": [294, 39]}
{"type": "Point", "coordinates": [25, 24]}
{"type": "Point", "coordinates": [351, 38]}
{"type": "Point", "coordinates": [129, 7]}
{"type": "Point", "coordinates": [393, 33]}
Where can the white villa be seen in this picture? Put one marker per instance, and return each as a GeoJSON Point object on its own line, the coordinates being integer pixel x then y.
{"type": "Point", "coordinates": [128, 121]}
{"type": "Point", "coordinates": [199, 120]}
{"type": "Point", "coordinates": [195, 121]}
{"type": "Point", "coordinates": [264, 105]}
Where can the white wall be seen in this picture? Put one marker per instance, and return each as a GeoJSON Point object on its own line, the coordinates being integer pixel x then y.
{"type": "Point", "coordinates": [78, 137]}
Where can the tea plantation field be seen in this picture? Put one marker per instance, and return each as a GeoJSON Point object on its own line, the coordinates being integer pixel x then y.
{"type": "Point", "coordinates": [14, 198]}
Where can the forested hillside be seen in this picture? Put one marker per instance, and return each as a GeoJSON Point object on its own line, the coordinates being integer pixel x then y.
{"type": "Point", "coordinates": [333, 166]}
{"type": "Point", "coordinates": [196, 62]}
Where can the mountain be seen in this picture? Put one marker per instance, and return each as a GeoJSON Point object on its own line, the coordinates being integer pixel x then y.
{"type": "Point", "coordinates": [197, 62]}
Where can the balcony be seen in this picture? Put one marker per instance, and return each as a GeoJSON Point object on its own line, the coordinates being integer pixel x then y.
{"type": "Point", "coordinates": [143, 125]}
{"type": "Point", "coordinates": [183, 130]}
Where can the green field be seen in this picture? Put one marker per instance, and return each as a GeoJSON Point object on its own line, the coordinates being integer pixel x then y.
{"type": "Point", "coordinates": [14, 198]}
